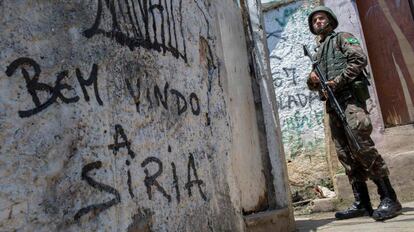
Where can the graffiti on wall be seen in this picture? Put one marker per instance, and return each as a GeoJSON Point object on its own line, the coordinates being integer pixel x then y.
{"type": "Point", "coordinates": [155, 97]}
{"type": "Point", "coordinates": [54, 91]}
{"type": "Point", "coordinates": [292, 100]}
{"type": "Point", "coordinates": [157, 27]}
{"type": "Point", "coordinates": [297, 132]}
{"type": "Point", "coordinates": [300, 110]}
{"type": "Point", "coordinates": [151, 183]}
{"type": "Point", "coordinates": [142, 23]}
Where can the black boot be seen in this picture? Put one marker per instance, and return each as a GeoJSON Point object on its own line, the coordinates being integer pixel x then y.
{"type": "Point", "coordinates": [362, 205]}
{"type": "Point", "coordinates": [390, 206]}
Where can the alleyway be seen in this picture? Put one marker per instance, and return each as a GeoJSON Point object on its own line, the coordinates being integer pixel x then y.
{"type": "Point", "coordinates": [325, 222]}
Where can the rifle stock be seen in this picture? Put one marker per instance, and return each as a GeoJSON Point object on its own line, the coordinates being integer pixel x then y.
{"type": "Point", "coordinates": [332, 100]}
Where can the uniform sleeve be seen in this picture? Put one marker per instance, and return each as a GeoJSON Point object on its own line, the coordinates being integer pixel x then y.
{"type": "Point", "coordinates": [356, 59]}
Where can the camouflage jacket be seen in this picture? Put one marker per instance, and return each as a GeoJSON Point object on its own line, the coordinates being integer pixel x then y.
{"type": "Point", "coordinates": [330, 51]}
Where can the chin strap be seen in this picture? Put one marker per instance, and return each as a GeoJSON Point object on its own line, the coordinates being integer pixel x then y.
{"type": "Point", "coordinates": [324, 29]}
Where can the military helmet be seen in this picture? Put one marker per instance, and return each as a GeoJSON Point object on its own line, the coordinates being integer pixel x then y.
{"type": "Point", "coordinates": [328, 11]}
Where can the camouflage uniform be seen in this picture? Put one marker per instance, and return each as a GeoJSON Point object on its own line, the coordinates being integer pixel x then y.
{"type": "Point", "coordinates": [342, 60]}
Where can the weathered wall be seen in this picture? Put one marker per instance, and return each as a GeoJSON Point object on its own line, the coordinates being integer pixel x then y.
{"type": "Point", "coordinates": [245, 148]}
{"type": "Point", "coordinates": [300, 111]}
{"type": "Point", "coordinates": [115, 116]}
{"type": "Point", "coordinates": [272, 4]}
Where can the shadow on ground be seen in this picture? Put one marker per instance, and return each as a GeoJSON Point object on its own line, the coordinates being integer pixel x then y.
{"type": "Point", "coordinates": [314, 221]}
{"type": "Point", "coordinates": [408, 209]}
{"type": "Point", "coordinates": [311, 224]}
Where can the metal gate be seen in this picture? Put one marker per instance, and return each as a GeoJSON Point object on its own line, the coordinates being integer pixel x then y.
{"type": "Point", "coordinates": [388, 27]}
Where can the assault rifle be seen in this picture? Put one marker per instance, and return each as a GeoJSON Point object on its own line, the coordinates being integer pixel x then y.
{"type": "Point", "coordinates": [332, 100]}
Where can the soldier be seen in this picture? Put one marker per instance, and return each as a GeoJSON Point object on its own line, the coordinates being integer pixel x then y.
{"type": "Point", "coordinates": [342, 61]}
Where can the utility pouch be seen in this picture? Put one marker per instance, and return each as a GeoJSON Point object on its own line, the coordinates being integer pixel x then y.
{"type": "Point", "coordinates": [360, 89]}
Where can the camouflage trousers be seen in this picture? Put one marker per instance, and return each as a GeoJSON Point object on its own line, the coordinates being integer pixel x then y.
{"type": "Point", "coordinates": [367, 163]}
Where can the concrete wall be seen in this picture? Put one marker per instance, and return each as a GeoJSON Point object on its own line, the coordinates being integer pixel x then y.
{"type": "Point", "coordinates": [300, 111]}
{"type": "Point", "coordinates": [245, 148]}
{"type": "Point", "coordinates": [126, 117]}
{"type": "Point", "coordinates": [271, 4]}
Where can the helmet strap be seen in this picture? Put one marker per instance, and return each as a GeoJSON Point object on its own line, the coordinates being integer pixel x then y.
{"type": "Point", "coordinates": [325, 30]}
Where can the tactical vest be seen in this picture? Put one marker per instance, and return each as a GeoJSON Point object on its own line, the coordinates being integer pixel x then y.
{"type": "Point", "coordinates": [332, 61]}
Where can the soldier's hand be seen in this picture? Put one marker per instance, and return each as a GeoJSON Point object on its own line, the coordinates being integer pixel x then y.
{"type": "Point", "coordinates": [331, 84]}
{"type": "Point", "coordinates": [314, 77]}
